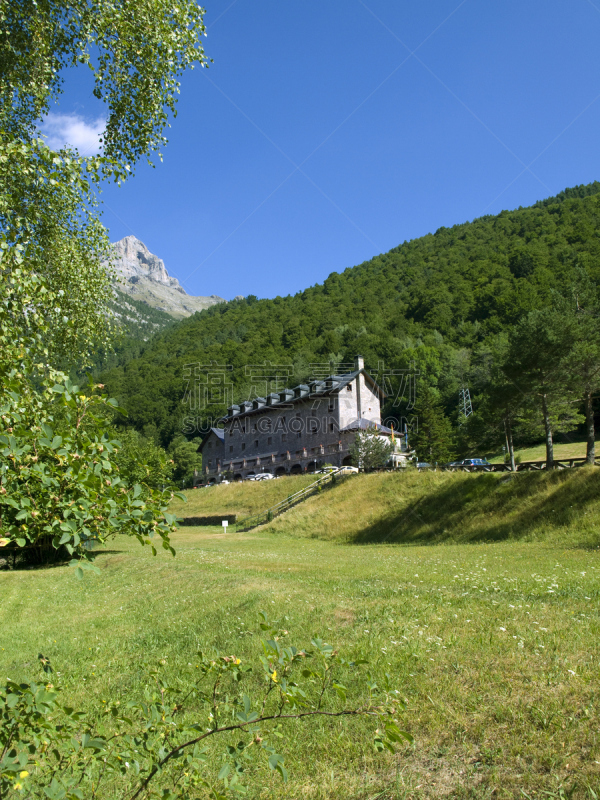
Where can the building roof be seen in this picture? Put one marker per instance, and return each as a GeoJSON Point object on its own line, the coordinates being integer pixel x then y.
{"type": "Point", "coordinates": [322, 388]}
{"type": "Point", "coordinates": [366, 424]}
{"type": "Point", "coordinates": [219, 433]}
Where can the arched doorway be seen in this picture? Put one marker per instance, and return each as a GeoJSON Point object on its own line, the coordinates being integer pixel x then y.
{"type": "Point", "coordinates": [296, 469]}
{"type": "Point", "coordinates": [347, 462]}
{"type": "Point", "coordinates": [238, 477]}
{"type": "Point", "coordinates": [281, 471]}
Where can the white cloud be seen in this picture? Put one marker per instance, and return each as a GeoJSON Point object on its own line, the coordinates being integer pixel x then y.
{"type": "Point", "coordinates": [61, 130]}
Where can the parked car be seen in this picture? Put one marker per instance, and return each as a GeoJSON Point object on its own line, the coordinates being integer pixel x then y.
{"type": "Point", "coordinates": [470, 464]}
{"type": "Point", "coordinates": [423, 465]}
{"type": "Point", "coordinates": [348, 470]}
{"type": "Point", "coordinates": [262, 476]}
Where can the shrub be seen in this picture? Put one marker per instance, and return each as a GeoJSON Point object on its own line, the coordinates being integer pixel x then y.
{"type": "Point", "coordinates": [156, 745]}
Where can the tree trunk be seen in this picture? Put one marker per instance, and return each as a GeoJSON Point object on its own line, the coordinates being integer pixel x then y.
{"type": "Point", "coordinates": [548, 428]}
{"type": "Point", "coordinates": [511, 448]}
{"type": "Point", "coordinates": [591, 434]}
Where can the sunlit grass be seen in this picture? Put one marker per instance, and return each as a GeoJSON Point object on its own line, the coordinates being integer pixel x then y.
{"type": "Point", "coordinates": [495, 646]}
{"type": "Point", "coordinates": [410, 508]}
{"type": "Point", "coordinates": [244, 499]}
{"type": "Point", "coordinates": [538, 452]}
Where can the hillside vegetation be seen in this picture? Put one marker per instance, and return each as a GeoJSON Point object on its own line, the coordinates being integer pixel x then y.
{"type": "Point", "coordinates": [438, 301]}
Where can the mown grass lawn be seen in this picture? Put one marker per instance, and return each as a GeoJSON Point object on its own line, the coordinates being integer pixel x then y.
{"type": "Point", "coordinates": [496, 648]}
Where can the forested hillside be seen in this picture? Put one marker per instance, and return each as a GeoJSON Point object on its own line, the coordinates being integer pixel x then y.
{"type": "Point", "coordinates": [442, 301]}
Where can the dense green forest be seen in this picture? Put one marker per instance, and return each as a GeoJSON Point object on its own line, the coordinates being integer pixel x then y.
{"type": "Point", "coordinates": [445, 302]}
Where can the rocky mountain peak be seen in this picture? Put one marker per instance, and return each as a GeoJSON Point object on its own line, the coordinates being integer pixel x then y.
{"type": "Point", "coordinates": [143, 275]}
{"type": "Point", "coordinates": [135, 261]}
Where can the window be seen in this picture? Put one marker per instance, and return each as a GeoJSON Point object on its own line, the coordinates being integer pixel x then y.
{"type": "Point", "coordinates": [331, 427]}
{"type": "Point", "coordinates": [256, 443]}
{"type": "Point", "coordinates": [231, 448]}
{"type": "Point", "coordinates": [349, 387]}
{"type": "Point", "coordinates": [270, 440]}
{"type": "Point", "coordinates": [231, 432]}
{"type": "Point", "coordinates": [243, 445]}
{"type": "Point", "coordinates": [283, 437]}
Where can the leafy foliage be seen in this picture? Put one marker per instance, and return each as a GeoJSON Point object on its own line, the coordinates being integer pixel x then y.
{"type": "Point", "coordinates": [140, 460]}
{"type": "Point", "coordinates": [186, 458]}
{"type": "Point", "coordinates": [434, 440]}
{"type": "Point", "coordinates": [59, 484]}
{"type": "Point", "coordinates": [158, 745]}
{"type": "Point", "coordinates": [369, 450]}
{"type": "Point", "coordinates": [136, 54]}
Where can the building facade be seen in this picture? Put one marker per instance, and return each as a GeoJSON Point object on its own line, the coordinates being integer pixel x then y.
{"type": "Point", "coordinates": [298, 430]}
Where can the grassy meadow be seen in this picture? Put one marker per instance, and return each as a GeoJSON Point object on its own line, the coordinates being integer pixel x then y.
{"type": "Point", "coordinates": [478, 595]}
{"type": "Point", "coordinates": [538, 452]}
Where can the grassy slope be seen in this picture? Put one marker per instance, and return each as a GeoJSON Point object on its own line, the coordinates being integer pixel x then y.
{"type": "Point", "coordinates": [242, 499]}
{"type": "Point", "coordinates": [449, 507]}
{"type": "Point", "coordinates": [424, 507]}
{"type": "Point", "coordinates": [538, 452]}
{"type": "Point", "coordinates": [495, 646]}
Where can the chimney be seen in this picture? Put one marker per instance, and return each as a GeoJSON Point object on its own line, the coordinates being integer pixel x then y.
{"type": "Point", "coordinates": [359, 363]}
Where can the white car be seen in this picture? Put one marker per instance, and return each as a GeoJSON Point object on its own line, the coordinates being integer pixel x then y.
{"type": "Point", "coordinates": [348, 470]}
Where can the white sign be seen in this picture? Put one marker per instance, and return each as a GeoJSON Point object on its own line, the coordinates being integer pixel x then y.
{"type": "Point", "coordinates": [224, 524]}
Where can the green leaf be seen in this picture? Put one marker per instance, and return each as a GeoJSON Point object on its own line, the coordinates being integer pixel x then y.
{"type": "Point", "coordinates": [224, 772]}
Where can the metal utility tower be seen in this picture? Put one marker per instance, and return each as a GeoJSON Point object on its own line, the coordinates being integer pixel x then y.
{"type": "Point", "coordinates": [464, 402]}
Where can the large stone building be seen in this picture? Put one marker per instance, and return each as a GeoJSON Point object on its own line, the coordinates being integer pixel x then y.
{"type": "Point", "coordinates": [297, 430]}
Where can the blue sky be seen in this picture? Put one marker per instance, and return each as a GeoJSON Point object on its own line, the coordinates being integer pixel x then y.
{"type": "Point", "coordinates": [329, 131]}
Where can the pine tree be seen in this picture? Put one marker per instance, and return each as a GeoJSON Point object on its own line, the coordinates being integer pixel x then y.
{"type": "Point", "coordinates": [434, 440]}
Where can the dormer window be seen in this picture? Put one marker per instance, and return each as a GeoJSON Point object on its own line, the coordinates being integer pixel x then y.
{"type": "Point", "coordinates": [349, 387]}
